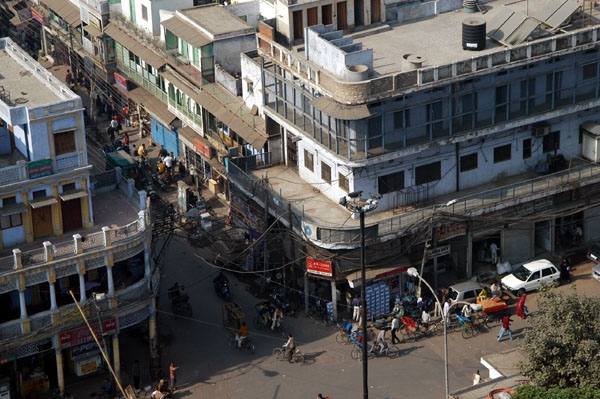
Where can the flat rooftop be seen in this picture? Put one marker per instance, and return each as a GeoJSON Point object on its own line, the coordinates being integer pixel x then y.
{"type": "Point", "coordinates": [216, 19]}
{"type": "Point", "coordinates": [438, 39]}
{"type": "Point", "coordinates": [24, 82]}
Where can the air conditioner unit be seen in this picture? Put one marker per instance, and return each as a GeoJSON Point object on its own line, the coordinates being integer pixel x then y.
{"type": "Point", "coordinates": [540, 130]}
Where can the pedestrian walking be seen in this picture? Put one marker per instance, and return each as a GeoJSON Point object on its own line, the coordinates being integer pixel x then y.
{"type": "Point", "coordinates": [395, 327]}
{"type": "Point", "coordinates": [135, 372]}
{"type": "Point", "coordinates": [505, 328]}
{"type": "Point", "coordinates": [476, 378]}
{"type": "Point", "coordinates": [172, 375]}
{"type": "Point", "coordinates": [126, 116]}
{"type": "Point", "coordinates": [521, 308]}
{"type": "Point", "coordinates": [68, 78]}
{"type": "Point", "coordinates": [356, 308]}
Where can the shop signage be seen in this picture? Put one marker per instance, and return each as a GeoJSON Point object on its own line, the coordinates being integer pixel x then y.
{"type": "Point", "coordinates": [202, 148]}
{"type": "Point", "coordinates": [320, 267]}
{"type": "Point", "coordinates": [37, 16]}
{"type": "Point", "coordinates": [40, 168]}
{"type": "Point", "coordinates": [5, 360]}
{"type": "Point", "coordinates": [83, 335]}
{"type": "Point", "coordinates": [439, 251]}
{"type": "Point", "coordinates": [121, 81]}
{"type": "Point", "coordinates": [95, 22]}
{"type": "Point", "coordinates": [391, 273]}
{"type": "Point", "coordinates": [448, 231]}
{"type": "Point", "coordinates": [84, 349]}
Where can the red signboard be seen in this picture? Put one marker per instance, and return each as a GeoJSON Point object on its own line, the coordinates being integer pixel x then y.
{"type": "Point", "coordinates": [121, 81]}
{"type": "Point", "coordinates": [319, 267]}
{"type": "Point", "coordinates": [83, 334]}
{"type": "Point", "coordinates": [37, 16]}
{"type": "Point", "coordinates": [202, 148]}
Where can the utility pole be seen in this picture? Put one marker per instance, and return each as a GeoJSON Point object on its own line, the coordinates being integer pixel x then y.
{"type": "Point", "coordinates": [292, 246]}
{"type": "Point", "coordinates": [363, 301]}
{"type": "Point", "coordinates": [265, 228]}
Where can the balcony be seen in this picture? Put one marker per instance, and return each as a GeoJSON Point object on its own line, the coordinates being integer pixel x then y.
{"type": "Point", "coordinates": [324, 218]}
{"type": "Point", "coordinates": [14, 167]}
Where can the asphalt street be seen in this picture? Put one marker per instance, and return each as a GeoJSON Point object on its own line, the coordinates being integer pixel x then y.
{"type": "Point", "coordinates": [209, 368]}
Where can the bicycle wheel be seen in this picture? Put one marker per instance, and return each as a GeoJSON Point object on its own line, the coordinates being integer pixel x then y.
{"type": "Point", "coordinates": [251, 348]}
{"type": "Point", "coordinates": [278, 353]}
{"type": "Point", "coordinates": [356, 353]}
{"type": "Point", "coordinates": [231, 341]}
{"type": "Point", "coordinates": [340, 338]}
{"type": "Point", "coordinates": [392, 352]}
{"type": "Point", "coordinates": [298, 357]}
{"type": "Point", "coordinates": [257, 323]}
{"type": "Point", "coordinates": [467, 332]}
{"type": "Point", "coordinates": [474, 330]}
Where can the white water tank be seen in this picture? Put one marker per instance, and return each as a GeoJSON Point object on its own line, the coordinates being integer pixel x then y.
{"type": "Point", "coordinates": [590, 144]}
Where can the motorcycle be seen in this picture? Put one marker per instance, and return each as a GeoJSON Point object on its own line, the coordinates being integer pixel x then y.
{"type": "Point", "coordinates": [179, 300]}
{"type": "Point", "coordinates": [221, 285]}
{"type": "Point", "coordinates": [282, 303]}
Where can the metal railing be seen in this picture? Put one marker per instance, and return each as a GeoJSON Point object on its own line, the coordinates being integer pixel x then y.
{"type": "Point", "coordinates": [476, 203]}
{"type": "Point", "coordinates": [253, 162]}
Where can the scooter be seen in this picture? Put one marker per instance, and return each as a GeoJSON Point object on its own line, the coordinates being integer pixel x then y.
{"type": "Point", "coordinates": [221, 284]}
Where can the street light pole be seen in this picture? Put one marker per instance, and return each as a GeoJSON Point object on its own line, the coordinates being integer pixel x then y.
{"type": "Point", "coordinates": [414, 273]}
{"type": "Point", "coordinates": [363, 294]}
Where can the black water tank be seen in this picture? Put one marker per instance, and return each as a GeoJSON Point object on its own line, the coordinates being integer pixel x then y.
{"type": "Point", "coordinates": [473, 34]}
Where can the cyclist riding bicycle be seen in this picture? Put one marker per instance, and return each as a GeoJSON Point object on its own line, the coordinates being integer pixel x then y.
{"type": "Point", "coordinates": [241, 335]}
{"type": "Point", "coordinates": [290, 345]}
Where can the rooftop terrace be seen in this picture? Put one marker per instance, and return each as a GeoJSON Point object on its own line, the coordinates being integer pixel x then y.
{"type": "Point", "coordinates": [24, 82]}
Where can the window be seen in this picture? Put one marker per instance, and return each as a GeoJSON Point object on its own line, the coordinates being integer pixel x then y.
{"type": "Point", "coordinates": [547, 272]}
{"type": "Point", "coordinates": [144, 13]}
{"type": "Point", "coordinates": [390, 183]}
{"type": "Point", "coordinates": [590, 71]}
{"type": "Point", "coordinates": [534, 276]}
{"type": "Point", "coordinates": [68, 187]}
{"type": "Point", "coordinates": [7, 222]}
{"type": "Point", "coordinates": [468, 162]}
{"type": "Point", "coordinates": [428, 173]}
{"type": "Point", "coordinates": [38, 194]}
{"type": "Point", "coordinates": [326, 172]}
{"type": "Point", "coordinates": [502, 153]}
{"type": "Point", "coordinates": [343, 182]}
{"type": "Point", "coordinates": [64, 142]}
{"type": "Point", "coordinates": [526, 148]}
{"type": "Point", "coordinates": [551, 142]}
{"type": "Point", "coordinates": [400, 117]}
{"type": "Point", "coordinates": [250, 86]}
{"type": "Point", "coordinates": [470, 294]}
{"type": "Point", "coordinates": [309, 162]}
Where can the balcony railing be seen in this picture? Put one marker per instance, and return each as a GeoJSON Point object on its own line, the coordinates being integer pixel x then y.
{"type": "Point", "coordinates": [68, 161]}
{"type": "Point", "coordinates": [13, 174]}
{"type": "Point", "coordinates": [473, 204]}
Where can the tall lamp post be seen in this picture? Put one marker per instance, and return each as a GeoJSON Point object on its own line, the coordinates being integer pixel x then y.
{"type": "Point", "coordinates": [354, 203]}
{"type": "Point", "coordinates": [414, 273]}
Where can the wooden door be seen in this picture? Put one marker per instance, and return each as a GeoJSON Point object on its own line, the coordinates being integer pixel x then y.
{"type": "Point", "coordinates": [342, 15]}
{"type": "Point", "coordinates": [71, 214]}
{"type": "Point", "coordinates": [375, 11]}
{"type": "Point", "coordinates": [327, 14]}
{"type": "Point", "coordinates": [359, 10]}
{"type": "Point", "coordinates": [312, 15]}
{"type": "Point", "coordinates": [41, 218]}
{"type": "Point", "coordinates": [298, 25]}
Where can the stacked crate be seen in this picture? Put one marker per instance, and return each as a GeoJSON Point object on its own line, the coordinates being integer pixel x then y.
{"type": "Point", "coordinates": [378, 299]}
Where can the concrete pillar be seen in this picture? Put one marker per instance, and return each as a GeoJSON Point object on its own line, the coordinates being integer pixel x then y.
{"type": "Point", "coordinates": [110, 281]}
{"type": "Point", "coordinates": [142, 198]}
{"type": "Point", "coordinates": [60, 374]}
{"type": "Point", "coordinates": [107, 237]}
{"type": "Point", "coordinates": [27, 221]}
{"type": "Point", "coordinates": [147, 258]}
{"type": "Point", "coordinates": [22, 304]}
{"type": "Point", "coordinates": [116, 356]}
{"type": "Point", "coordinates": [334, 300]}
{"type": "Point", "coordinates": [306, 298]}
{"type": "Point", "coordinates": [48, 252]}
{"type": "Point", "coordinates": [18, 262]}
{"type": "Point", "coordinates": [142, 220]}
{"type": "Point", "coordinates": [82, 295]}
{"type": "Point", "coordinates": [78, 244]}
{"type": "Point", "coordinates": [469, 266]}
{"type": "Point", "coordinates": [56, 213]}
{"type": "Point", "coordinates": [85, 207]}
{"type": "Point", "coordinates": [53, 305]}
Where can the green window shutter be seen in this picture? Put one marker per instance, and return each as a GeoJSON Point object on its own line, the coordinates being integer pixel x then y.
{"type": "Point", "coordinates": [184, 48]}
{"type": "Point", "coordinates": [132, 10]}
{"type": "Point", "coordinates": [170, 39]}
{"type": "Point", "coordinates": [196, 57]}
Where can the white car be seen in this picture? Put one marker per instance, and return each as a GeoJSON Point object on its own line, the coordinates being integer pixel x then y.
{"type": "Point", "coordinates": [530, 276]}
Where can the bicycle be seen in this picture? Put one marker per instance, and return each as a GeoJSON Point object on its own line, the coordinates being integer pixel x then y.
{"type": "Point", "coordinates": [344, 333]}
{"type": "Point", "coordinates": [281, 354]}
{"type": "Point", "coordinates": [246, 344]}
{"type": "Point", "coordinates": [389, 351]}
{"type": "Point", "coordinates": [467, 328]}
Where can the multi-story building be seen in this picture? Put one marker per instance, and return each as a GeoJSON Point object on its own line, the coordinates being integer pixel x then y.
{"type": "Point", "coordinates": [52, 242]}
{"type": "Point", "coordinates": [463, 148]}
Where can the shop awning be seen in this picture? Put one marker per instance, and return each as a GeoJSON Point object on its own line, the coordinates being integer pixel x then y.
{"type": "Point", "coordinates": [132, 44]}
{"type": "Point", "coordinates": [70, 195]}
{"type": "Point", "coordinates": [66, 10]}
{"type": "Point", "coordinates": [13, 209]}
{"type": "Point", "coordinates": [151, 104]}
{"type": "Point", "coordinates": [42, 202]}
{"type": "Point", "coordinates": [341, 111]}
{"type": "Point", "coordinates": [186, 31]}
{"type": "Point", "coordinates": [380, 272]}
{"type": "Point", "coordinates": [92, 30]}
{"type": "Point", "coordinates": [194, 139]}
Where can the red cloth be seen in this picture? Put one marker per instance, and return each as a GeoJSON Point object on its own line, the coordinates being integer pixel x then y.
{"type": "Point", "coordinates": [505, 322]}
{"type": "Point", "coordinates": [521, 306]}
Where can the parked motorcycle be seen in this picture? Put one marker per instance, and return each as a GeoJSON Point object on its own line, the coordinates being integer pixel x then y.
{"type": "Point", "coordinates": [221, 285]}
{"type": "Point", "coordinates": [179, 300]}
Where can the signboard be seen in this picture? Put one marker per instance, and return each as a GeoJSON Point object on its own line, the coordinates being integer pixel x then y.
{"type": "Point", "coordinates": [439, 251]}
{"type": "Point", "coordinates": [320, 267]}
{"type": "Point", "coordinates": [202, 148]}
{"type": "Point", "coordinates": [37, 16]}
{"type": "Point", "coordinates": [94, 21]}
{"type": "Point", "coordinates": [121, 81]}
{"type": "Point", "coordinates": [448, 231]}
{"type": "Point", "coordinates": [7, 359]}
{"type": "Point", "coordinates": [40, 168]}
{"type": "Point", "coordinates": [83, 335]}
{"type": "Point", "coordinates": [84, 349]}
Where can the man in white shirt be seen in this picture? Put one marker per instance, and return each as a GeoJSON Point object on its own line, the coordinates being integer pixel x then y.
{"type": "Point", "coordinates": [381, 341]}
{"type": "Point", "coordinates": [425, 318]}
{"type": "Point", "coordinates": [395, 327]}
{"type": "Point", "coordinates": [168, 161]}
{"type": "Point", "coordinates": [494, 251]}
{"type": "Point", "coordinates": [446, 312]}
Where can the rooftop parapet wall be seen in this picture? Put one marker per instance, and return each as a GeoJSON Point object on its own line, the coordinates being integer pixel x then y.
{"type": "Point", "coordinates": [407, 81]}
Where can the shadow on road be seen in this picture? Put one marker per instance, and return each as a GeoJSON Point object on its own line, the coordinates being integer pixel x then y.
{"type": "Point", "coordinates": [311, 358]}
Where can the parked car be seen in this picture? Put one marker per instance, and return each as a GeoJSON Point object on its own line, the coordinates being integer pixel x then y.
{"type": "Point", "coordinates": [596, 272]}
{"type": "Point", "coordinates": [593, 253]}
{"type": "Point", "coordinates": [465, 292]}
{"type": "Point", "coordinates": [530, 276]}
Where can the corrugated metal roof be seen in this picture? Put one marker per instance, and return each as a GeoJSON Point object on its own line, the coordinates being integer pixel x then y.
{"type": "Point", "coordinates": [341, 111]}
{"type": "Point", "coordinates": [186, 31]}
{"type": "Point", "coordinates": [65, 10]}
{"type": "Point", "coordinates": [133, 45]}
